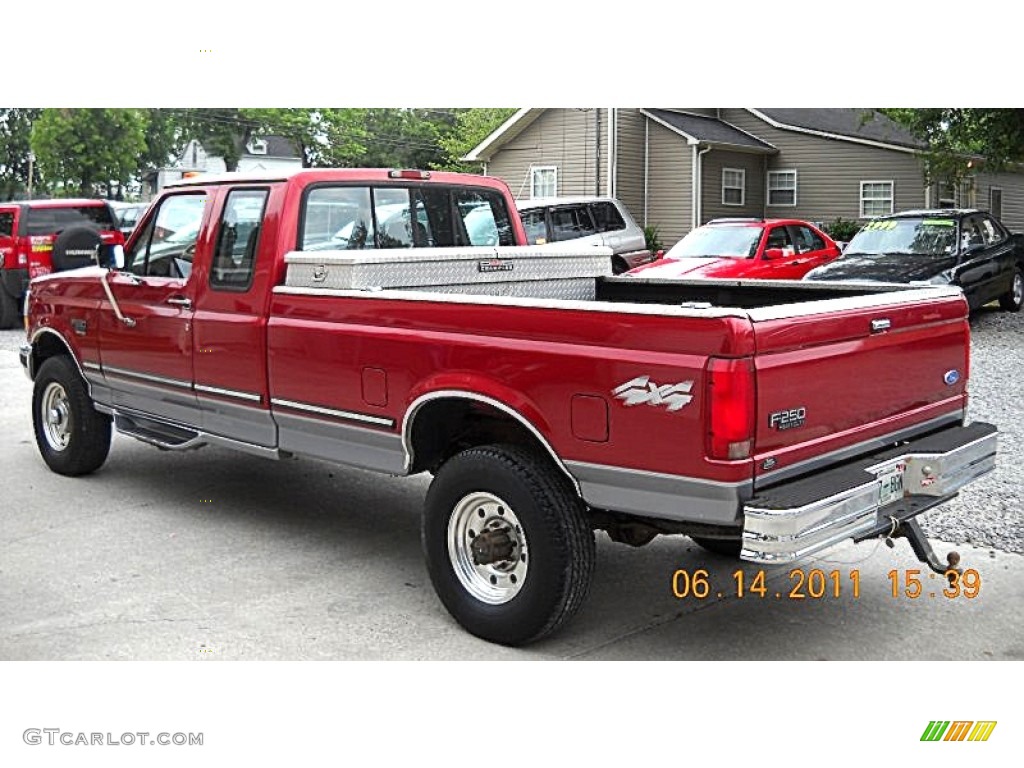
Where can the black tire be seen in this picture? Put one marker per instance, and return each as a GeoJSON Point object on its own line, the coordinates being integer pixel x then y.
{"type": "Point", "coordinates": [724, 547]}
{"type": "Point", "coordinates": [554, 532]}
{"type": "Point", "coordinates": [59, 387]}
{"type": "Point", "coordinates": [75, 247]}
{"type": "Point", "coordinates": [10, 312]}
{"type": "Point", "coordinates": [1013, 299]}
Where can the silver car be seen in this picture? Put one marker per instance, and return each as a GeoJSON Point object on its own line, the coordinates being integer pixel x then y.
{"type": "Point", "coordinates": [591, 220]}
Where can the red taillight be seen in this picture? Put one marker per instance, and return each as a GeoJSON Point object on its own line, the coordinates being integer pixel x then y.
{"type": "Point", "coordinates": [730, 412]}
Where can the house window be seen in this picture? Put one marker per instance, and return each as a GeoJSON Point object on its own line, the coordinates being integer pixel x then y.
{"type": "Point", "coordinates": [995, 202]}
{"type": "Point", "coordinates": [952, 195]}
{"type": "Point", "coordinates": [734, 186]}
{"type": "Point", "coordinates": [781, 187]}
{"type": "Point", "coordinates": [876, 198]}
{"type": "Point", "coordinates": [543, 181]}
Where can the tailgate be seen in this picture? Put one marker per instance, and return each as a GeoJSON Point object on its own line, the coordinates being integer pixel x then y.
{"type": "Point", "coordinates": [832, 384]}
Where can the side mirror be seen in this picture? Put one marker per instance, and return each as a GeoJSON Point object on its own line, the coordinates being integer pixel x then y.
{"type": "Point", "coordinates": [660, 254]}
{"type": "Point", "coordinates": [973, 248]}
{"type": "Point", "coordinates": [770, 254]}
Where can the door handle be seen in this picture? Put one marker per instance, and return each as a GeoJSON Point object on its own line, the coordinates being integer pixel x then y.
{"type": "Point", "coordinates": [180, 301]}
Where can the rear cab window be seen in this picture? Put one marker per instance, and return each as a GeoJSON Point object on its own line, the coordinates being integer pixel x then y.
{"type": "Point", "coordinates": [360, 217]}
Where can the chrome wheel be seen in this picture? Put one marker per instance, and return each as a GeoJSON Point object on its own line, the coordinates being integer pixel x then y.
{"type": "Point", "coordinates": [1018, 288]}
{"type": "Point", "coordinates": [56, 416]}
{"type": "Point", "coordinates": [487, 548]}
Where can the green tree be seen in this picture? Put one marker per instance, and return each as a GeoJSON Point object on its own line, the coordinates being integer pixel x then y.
{"type": "Point", "coordinates": [953, 135]}
{"type": "Point", "coordinates": [15, 136]}
{"type": "Point", "coordinates": [89, 151]}
{"type": "Point", "coordinates": [471, 127]}
{"type": "Point", "coordinates": [165, 138]}
{"type": "Point", "coordinates": [323, 136]}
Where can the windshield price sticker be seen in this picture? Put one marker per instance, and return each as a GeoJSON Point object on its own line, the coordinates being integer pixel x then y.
{"type": "Point", "coordinates": [881, 224]}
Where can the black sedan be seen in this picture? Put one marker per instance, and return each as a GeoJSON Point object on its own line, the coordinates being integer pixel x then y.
{"type": "Point", "coordinates": [967, 248]}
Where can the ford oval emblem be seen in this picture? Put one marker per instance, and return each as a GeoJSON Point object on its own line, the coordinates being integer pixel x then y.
{"type": "Point", "coordinates": [951, 377]}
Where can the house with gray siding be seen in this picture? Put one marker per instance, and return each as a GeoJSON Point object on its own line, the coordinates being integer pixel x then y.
{"type": "Point", "coordinates": [678, 168]}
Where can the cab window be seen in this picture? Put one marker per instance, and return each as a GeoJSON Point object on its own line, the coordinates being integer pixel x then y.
{"type": "Point", "coordinates": [571, 222]}
{"type": "Point", "coordinates": [607, 217]}
{"type": "Point", "coordinates": [396, 216]}
{"type": "Point", "coordinates": [807, 241]}
{"type": "Point", "coordinates": [536, 226]}
{"type": "Point", "coordinates": [778, 237]}
{"type": "Point", "coordinates": [166, 247]}
{"type": "Point", "coordinates": [238, 238]}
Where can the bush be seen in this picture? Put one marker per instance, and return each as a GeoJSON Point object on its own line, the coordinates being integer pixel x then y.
{"type": "Point", "coordinates": [653, 240]}
{"type": "Point", "coordinates": [842, 229]}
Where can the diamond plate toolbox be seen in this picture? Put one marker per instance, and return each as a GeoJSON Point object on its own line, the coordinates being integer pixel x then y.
{"type": "Point", "coordinates": [449, 269]}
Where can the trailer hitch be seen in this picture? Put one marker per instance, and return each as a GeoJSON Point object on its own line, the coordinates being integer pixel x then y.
{"type": "Point", "coordinates": [910, 529]}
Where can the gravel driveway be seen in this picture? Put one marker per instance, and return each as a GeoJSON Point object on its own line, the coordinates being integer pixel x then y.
{"type": "Point", "coordinates": [988, 512]}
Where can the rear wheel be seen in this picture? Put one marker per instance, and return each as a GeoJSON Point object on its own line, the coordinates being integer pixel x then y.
{"type": "Point", "coordinates": [724, 547]}
{"type": "Point", "coordinates": [1013, 299]}
{"type": "Point", "coordinates": [73, 437]}
{"type": "Point", "coordinates": [508, 546]}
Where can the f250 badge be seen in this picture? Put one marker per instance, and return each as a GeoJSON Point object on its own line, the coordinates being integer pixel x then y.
{"type": "Point", "coordinates": [794, 417]}
{"type": "Point", "coordinates": [642, 390]}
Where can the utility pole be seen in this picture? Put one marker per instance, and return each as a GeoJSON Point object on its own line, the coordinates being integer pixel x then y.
{"type": "Point", "coordinates": [31, 168]}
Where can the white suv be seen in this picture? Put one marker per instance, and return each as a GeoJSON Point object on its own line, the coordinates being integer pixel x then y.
{"type": "Point", "coordinates": [593, 220]}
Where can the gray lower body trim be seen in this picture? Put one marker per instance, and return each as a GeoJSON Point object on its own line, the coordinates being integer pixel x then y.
{"type": "Point", "coordinates": [247, 423]}
{"type": "Point", "coordinates": [341, 443]}
{"type": "Point", "coordinates": [668, 497]}
{"type": "Point", "coordinates": [179, 406]}
{"type": "Point", "coordinates": [767, 479]}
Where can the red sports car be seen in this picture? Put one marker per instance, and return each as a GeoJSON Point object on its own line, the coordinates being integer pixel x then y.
{"type": "Point", "coordinates": [770, 249]}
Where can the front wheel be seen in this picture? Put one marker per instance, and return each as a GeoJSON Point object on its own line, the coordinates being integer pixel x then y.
{"type": "Point", "coordinates": [72, 436]}
{"type": "Point", "coordinates": [1013, 299]}
{"type": "Point", "coordinates": [507, 543]}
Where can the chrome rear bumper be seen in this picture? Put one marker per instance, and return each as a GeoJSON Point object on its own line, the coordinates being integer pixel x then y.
{"type": "Point", "coordinates": [803, 516]}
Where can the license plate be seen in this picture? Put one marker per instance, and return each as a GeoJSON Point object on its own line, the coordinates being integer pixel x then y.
{"type": "Point", "coordinates": [891, 480]}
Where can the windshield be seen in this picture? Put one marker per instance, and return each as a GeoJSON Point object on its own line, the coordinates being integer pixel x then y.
{"type": "Point", "coordinates": [739, 242]}
{"type": "Point", "coordinates": [910, 237]}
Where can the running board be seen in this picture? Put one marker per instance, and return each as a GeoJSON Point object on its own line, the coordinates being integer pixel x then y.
{"type": "Point", "coordinates": [169, 436]}
{"type": "Point", "coordinates": [165, 436]}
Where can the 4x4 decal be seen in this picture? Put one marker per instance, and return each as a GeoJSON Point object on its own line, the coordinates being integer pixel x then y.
{"type": "Point", "coordinates": [642, 390]}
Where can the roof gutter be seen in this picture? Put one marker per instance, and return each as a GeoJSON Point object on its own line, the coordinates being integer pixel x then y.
{"type": "Point", "coordinates": [696, 185]}
{"type": "Point", "coordinates": [613, 137]}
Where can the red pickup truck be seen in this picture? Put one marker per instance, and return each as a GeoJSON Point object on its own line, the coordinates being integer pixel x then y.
{"type": "Point", "coordinates": [350, 315]}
